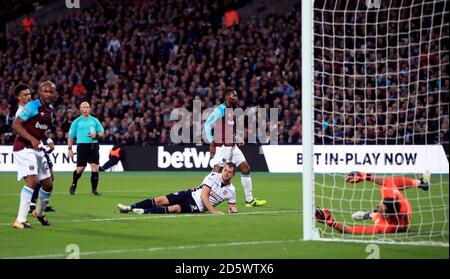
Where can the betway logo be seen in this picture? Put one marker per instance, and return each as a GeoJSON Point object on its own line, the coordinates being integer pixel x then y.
{"type": "Point", "coordinates": [41, 126]}
{"type": "Point", "coordinates": [189, 158]}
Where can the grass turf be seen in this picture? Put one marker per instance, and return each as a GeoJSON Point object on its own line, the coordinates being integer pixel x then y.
{"type": "Point", "coordinates": [272, 231]}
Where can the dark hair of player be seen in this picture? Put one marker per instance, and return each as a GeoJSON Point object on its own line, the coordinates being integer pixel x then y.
{"type": "Point", "coordinates": [19, 88]}
{"type": "Point", "coordinates": [231, 165]}
{"type": "Point", "coordinates": [392, 206]}
{"type": "Point", "coordinates": [228, 91]}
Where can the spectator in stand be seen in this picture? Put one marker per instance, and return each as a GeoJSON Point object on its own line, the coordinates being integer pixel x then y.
{"type": "Point", "coordinates": [28, 24]}
{"type": "Point", "coordinates": [231, 17]}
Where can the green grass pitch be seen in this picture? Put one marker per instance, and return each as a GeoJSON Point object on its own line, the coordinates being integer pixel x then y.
{"type": "Point", "coordinates": [93, 224]}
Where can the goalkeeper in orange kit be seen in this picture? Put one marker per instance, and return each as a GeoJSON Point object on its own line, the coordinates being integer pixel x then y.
{"type": "Point", "coordinates": [392, 214]}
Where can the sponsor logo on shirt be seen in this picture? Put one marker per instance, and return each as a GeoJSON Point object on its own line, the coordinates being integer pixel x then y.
{"type": "Point", "coordinates": [41, 126]}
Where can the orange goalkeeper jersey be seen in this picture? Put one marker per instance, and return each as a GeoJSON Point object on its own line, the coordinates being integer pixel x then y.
{"type": "Point", "coordinates": [396, 223]}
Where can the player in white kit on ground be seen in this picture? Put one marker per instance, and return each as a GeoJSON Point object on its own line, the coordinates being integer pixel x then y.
{"type": "Point", "coordinates": [215, 189]}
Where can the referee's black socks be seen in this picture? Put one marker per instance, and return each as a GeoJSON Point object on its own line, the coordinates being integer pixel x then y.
{"type": "Point", "coordinates": [76, 176]}
{"type": "Point", "coordinates": [94, 181]}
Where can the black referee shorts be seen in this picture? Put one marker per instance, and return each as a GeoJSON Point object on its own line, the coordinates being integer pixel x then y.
{"type": "Point", "coordinates": [87, 153]}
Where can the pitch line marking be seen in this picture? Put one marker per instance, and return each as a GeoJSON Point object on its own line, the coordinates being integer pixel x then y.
{"type": "Point", "coordinates": [156, 249]}
{"type": "Point", "coordinates": [67, 193]}
{"type": "Point", "coordinates": [154, 216]}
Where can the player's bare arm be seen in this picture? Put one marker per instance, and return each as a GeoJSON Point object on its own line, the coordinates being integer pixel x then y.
{"type": "Point", "coordinates": [69, 147]}
{"type": "Point", "coordinates": [18, 126]}
{"type": "Point", "coordinates": [212, 149]}
{"type": "Point", "coordinates": [232, 208]}
{"type": "Point", "coordinates": [205, 199]}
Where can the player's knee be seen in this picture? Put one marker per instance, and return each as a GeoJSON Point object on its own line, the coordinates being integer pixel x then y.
{"type": "Point", "coordinates": [161, 201]}
{"type": "Point", "coordinates": [80, 170]}
{"type": "Point", "coordinates": [31, 184]}
{"type": "Point", "coordinates": [48, 188]}
{"type": "Point", "coordinates": [245, 169]}
{"type": "Point", "coordinates": [174, 208]}
{"type": "Point", "coordinates": [31, 181]}
{"type": "Point", "coordinates": [47, 185]}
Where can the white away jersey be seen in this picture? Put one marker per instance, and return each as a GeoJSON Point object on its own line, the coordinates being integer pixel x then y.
{"type": "Point", "coordinates": [219, 191]}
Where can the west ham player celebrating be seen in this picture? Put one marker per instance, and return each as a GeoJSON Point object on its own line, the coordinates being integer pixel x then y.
{"type": "Point", "coordinates": [30, 126]}
{"type": "Point", "coordinates": [226, 150]}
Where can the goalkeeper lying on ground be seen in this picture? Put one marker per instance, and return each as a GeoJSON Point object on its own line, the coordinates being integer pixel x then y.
{"type": "Point", "coordinates": [392, 213]}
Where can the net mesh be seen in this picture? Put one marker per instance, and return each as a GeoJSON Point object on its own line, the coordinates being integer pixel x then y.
{"type": "Point", "coordinates": [381, 78]}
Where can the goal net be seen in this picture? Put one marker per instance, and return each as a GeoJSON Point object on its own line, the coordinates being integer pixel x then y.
{"type": "Point", "coordinates": [381, 81]}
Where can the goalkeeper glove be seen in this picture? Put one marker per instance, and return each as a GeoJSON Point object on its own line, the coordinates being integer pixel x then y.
{"type": "Point", "coordinates": [323, 216]}
{"type": "Point", "coordinates": [358, 176]}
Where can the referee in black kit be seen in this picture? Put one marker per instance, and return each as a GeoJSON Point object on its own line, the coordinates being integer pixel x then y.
{"type": "Point", "coordinates": [87, 130]}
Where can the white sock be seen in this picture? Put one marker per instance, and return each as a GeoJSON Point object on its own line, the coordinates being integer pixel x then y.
{"type": "Point", "coordinates": [42, 202]}
{"type": "Point", "coordinates": [24, 206]}
{"type": "Point", "coordinates": [246, 181]}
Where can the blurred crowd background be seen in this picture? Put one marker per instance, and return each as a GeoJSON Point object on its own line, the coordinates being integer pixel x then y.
{"type": "Point", "coordinates": [135, 61]}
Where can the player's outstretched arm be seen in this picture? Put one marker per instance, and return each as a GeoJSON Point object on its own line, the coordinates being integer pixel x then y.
{"type": "Point", "coordinates": [359, 176]}
{"type": "Point", "coordinates": [356, 177]}
{"type": "Point", "coordinates": [232, 208]}
{"type": "Point", "coordinates": [205, 200]}
{"type": "Point", "coordinates": [18, 126]}
{"type": "Point", "coordinates": [324, 216]}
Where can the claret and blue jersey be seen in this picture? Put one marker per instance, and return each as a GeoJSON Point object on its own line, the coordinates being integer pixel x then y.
{"type": "Point", "coordinates": [227, 133]}
{"type": "Point", "coordinates": [38, 118]}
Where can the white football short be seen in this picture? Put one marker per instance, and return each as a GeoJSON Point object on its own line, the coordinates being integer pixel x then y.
{"type": "Point", "coordinates": [226, 154]}
{"type": "Point", "coordinates": [31, 162]}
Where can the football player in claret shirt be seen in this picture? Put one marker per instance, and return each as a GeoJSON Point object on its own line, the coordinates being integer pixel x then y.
{"type": "Point", "coordinates": [30, 125]}
{"type": "Point", "coordinates": [23, 95]}
{"type": "Point", "coordinates": [223, 146]}
{"type": "Point", "coordinates": [392, 214]}
{"type": "Point", "coordinates": [215, 189]}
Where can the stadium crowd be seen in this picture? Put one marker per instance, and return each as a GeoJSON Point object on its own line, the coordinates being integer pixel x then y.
{"type": "Point", "coordinates": [377, 82]}
{"type": "Point", "coordinates": [135, 61]}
